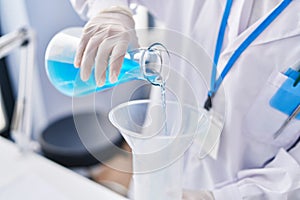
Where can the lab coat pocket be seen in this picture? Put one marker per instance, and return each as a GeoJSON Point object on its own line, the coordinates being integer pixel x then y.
{"type": "Point", "coordinates": [263, 120]}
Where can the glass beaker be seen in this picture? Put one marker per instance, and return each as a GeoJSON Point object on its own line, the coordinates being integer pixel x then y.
{"type": "Point", "coordinates": [158, 156]}
{"type": "Point", "coordinates": [139, 64]}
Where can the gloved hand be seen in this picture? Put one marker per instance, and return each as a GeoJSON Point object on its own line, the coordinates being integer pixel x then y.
{"type": "Point", "coordinates": [197, 195]}
{"type": "Point", "coordinates": [108, 34]}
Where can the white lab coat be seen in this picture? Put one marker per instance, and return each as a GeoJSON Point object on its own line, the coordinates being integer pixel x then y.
{"type": "Point", "coordinates": [246, 144]}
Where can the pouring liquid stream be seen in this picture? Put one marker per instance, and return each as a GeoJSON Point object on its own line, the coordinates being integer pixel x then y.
{"type": "Point", "coordinates": [164, 106]}
{"type": "Point", "coordinates": [158, 80]}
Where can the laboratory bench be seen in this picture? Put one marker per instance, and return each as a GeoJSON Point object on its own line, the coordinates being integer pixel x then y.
{"type": "Point", "coordinates": [30, 176]}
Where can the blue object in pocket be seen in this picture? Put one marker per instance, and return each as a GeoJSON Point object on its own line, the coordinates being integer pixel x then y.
{"type": "Point", "coordinates": [287, 97]}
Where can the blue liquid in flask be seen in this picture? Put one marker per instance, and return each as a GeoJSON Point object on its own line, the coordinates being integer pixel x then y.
{"type": "Point", "coordinates": [141, 64]}
{"type": "Point", "coordinates": [66, 78]}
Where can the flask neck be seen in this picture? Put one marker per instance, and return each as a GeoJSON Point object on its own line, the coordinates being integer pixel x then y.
{"type": "Point", "coordinates": [153, 62]}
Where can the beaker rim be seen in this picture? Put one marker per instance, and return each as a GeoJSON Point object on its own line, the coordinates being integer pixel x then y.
{"type": "Point", "coordinates": [203, 114]}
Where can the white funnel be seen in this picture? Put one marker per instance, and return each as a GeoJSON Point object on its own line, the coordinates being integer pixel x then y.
{"type": "Point", "coordinates": [158, 154]}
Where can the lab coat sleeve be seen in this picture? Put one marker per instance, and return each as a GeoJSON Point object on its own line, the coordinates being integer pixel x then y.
{"type": "Point", "coordinates": [278, 180]}
{"type": "Point", "coordinates": [89, 8]}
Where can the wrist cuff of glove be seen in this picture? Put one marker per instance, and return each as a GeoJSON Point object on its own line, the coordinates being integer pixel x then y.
{"type": "Point", "coordinates": [118, 9]}
{"type": "Point", "coordinates": [97, 5]}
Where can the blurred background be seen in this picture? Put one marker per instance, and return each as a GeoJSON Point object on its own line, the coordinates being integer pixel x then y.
{"type": "Point", "coordinates": [53, 127]}
{"type": "Point", "coordinates": [46, 18]}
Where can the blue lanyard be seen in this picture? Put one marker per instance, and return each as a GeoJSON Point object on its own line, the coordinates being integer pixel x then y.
{"type": "Point", "coordinates": [215, 83]}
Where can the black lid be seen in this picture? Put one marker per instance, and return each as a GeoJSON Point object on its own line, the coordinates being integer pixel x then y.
{"type": "Point", "coordinates": [72, 140]}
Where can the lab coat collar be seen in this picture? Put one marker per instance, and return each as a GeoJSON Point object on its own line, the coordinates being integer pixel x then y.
{"type": "Point", "coordinates": [286, 25]}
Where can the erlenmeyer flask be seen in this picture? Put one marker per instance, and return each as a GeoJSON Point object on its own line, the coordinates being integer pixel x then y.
{"type": "Point", "coordinates": [139, 64]}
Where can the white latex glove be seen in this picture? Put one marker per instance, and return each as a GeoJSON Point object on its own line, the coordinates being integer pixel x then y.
{"type": "Point", "coordinates": [197, 195]}
{"type": "Point", "coordinates": [105, 37]}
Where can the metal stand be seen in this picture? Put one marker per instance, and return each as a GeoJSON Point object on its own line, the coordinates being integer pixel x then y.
{"type": "Point", "coordinates": [22, 117]}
